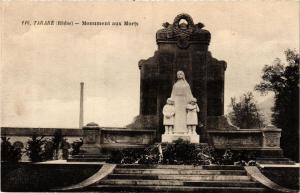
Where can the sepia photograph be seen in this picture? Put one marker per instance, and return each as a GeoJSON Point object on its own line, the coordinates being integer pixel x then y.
{"type": "Point", "coordinates": [150, 96]}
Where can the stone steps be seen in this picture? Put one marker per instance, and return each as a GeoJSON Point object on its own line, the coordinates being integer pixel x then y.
{"type": "Point", "coordinates": [223, 167]}
{"type": "Point", "coordinates": [179, 171]}
{"type": "Point", "coordinates": [135, 188]}
{"type": "Point", "coordinates": [179, 183]}
{"type": "Point", "coordinates": [154, 166]}
{"type": "Point", "coordinates": [177, 178]}
{"type": "Point", "coordinates": [222, 183]}
{"type": "Point", "coordinates": [88, 158]}
{"type": "Point", "coordinates": [206, 167]}
{"type": "Point", "coordinates": [142, 182]}
{"type": "Point", "coordinates": [281, 160]}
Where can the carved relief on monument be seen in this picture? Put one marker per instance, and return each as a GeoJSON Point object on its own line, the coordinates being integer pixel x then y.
{"type": "Point", "coordinates": [90, 137]}
{"type": "Point", "coordinates": [226, 140]}
{"type": "Point", "coordinates": [183, 32]}
{"type": "Point", "coordinates": [271, 139]}
{"type": "Point", "coordinates": [109, 139]}
{"type": "Point", "coordinates": [119, 138]}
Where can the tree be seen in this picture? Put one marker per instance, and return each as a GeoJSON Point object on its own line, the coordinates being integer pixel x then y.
{"type": "Point", "coordinates": [51, 147]}
{"type": "Point", "coordinates": [57, 139]}
{"type": "Point", "coordinates": [65, 146]}
{"type": "Point", "coordinates": [76, 146]}
{"type": "Point", "coordinates": [10, 152]}
{"type": "Point", "coordinates": [245, 113]}
{"type": "Point", "coordinates": [283, 80]}
{"type": "Point", "coordinates": [34, 149]}
{"type": "Point", "coordinates": [48, 152]}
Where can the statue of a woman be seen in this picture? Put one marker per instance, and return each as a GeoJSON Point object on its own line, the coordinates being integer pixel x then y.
{"type": "Point", "coordinates": [181, 95]}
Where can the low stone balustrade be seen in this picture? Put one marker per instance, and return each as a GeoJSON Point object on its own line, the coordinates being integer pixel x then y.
{"type": "Point", "coordinates": [263, 142]}
{"type": "Point", "coordinates": [246, 139]}
{"type": "Point", "coordinates": [109, 138]}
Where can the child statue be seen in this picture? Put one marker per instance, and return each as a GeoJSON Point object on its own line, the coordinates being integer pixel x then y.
{"type": "Point", "coordinates": [192, 118]}
{"type": "Point", "coordinates": [169, 113]}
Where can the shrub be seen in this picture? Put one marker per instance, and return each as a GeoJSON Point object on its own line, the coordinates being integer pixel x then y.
{"type": "Point", "coordinates": [116, 156]}
{"type": "Point", "coordinates": [76, 147]}
{"type": "Point", "coordinates": [57, 139]}
{"type": "Point", "coordinates": [65, 146]}
{"type": "Point", "coordinates": [34, 148]}
{"type": "Point", "coordinates": [138, 156]}
{"type": "Point", "coordinates": [9, 152]}
{"type": "Point", "coordinates": [245, 114]}
{"type": "Point", "coordinates": [182, 152]}
{"type": "Point", "coordinates": [48, 152]}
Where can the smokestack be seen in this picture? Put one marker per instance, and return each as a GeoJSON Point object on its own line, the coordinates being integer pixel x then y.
{"type": "Point", "coordinates": [81, 106]}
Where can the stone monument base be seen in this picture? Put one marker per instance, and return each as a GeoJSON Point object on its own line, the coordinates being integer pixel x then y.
{"type": "Point", "coordinates": [170, 138]}
{"type": "Point", "coordinates": [91, 148]}
{"type": "Point", "coordinates": [264, 143]}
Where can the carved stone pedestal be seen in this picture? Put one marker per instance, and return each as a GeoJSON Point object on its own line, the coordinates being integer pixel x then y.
{"type": "Point", "coordinates": [271, 137]}
{"type": "Point", "coordinates": [91, 149]}
{"type": "Point", "coordinates": [91, 139]}
{"type": "Point", "coordinates": [170, 138]}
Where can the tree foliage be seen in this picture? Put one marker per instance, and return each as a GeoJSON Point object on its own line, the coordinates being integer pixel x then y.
{"type": "Point", "coordinates": [48, 150]}
{"type": "Point", "coordinates": [182, 152]}
{"type": "Point", "coordinates": [65, 146]}
{"type": "Point", "coordinates": [41, 149]}
{"type": "Point", "coordinates": [76, 146]}
{"type": "Point", "coordinates": [245, 113]}
{"type": "Point", "coordinates": [283, 79]}
{"type": "Point", "coordinates": [56, 140]}
{"type": "Point", "coordinates": [10, 152]}
{"type": "Point", "coordinates": [34, 149]}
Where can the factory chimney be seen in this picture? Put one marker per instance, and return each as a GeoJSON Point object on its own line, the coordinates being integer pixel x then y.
{"type": "Point", "coordinates": [81, 106]}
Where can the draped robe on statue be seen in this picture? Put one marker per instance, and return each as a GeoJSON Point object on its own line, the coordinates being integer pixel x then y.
{"type": "Point", "coordinates": [181, 95]}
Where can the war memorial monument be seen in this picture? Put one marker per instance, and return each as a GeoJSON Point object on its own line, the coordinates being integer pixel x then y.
{"type": "Point", "coordinates": [181, 98]}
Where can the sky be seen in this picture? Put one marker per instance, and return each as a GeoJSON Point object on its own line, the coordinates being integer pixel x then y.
{"type": "Point", "coordinates": [42, 66]}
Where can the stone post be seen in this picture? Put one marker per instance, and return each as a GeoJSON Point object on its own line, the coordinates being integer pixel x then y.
{"type": "Point", "coordinates": [91, 139]}
{"type": "Point", "coordinates": [271, 137]}
{"type": "Point", "coordinates": [91, 148]}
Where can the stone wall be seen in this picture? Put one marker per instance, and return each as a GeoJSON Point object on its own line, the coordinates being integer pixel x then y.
{"type": "Point", "coordinates": [265, 141]}
{"type": "Point", "coordinates": [237, 139]}
{"type": "Point", "coordinates": [110, 138]}
{"type": "Point", "coordinates": [109, 135]}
